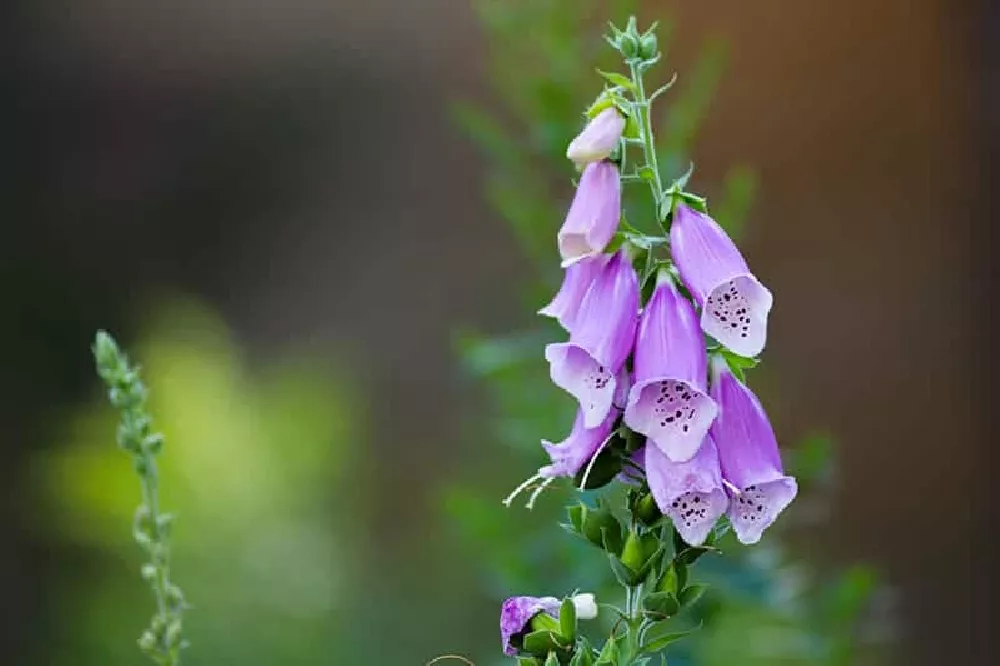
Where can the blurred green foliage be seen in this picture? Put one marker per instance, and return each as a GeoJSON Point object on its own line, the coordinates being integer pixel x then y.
{"type": "Point", "coordinates": [252, 463]}
{"type": "Point", "coordinates": [763, 606]}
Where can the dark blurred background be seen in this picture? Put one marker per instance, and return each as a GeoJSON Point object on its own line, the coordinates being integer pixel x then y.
{"type": "Point", "coordinates": [270, 206]}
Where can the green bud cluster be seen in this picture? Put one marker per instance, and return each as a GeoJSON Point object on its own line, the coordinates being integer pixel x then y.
{"type": "Point", "coordinates": [163, 640]}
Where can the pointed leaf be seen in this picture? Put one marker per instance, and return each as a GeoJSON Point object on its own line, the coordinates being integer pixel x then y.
{"type": "Point", "coordinates": [675, 578]}
{"type": "Point", "coordinates": [584, 654]}
{"type": "Point", "coordinates": [540, 642]}
{"type": "Point", "coordinates": [620, 80]}
{"type": "Point", "coordinates": [567, 620]}
{"type": "Point", "coordinates": [692, 593]}
{"type": "Point", "coordinates": [661, 604]}
{"type": "Point", "coordinates": [552, 660]}
{"type": "Point", "coordinates": [623, 574]}
{"type": "Point", "coordinates": [660, 642]}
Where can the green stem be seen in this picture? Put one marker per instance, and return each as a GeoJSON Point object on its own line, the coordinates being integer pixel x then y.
{"type": "Point", "coordinates": [162, 641]}
{"type": "Point", "coordinates": [642, 106]}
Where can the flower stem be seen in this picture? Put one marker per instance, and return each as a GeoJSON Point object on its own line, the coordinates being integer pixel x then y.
{"type": "Point", "coordinates": [162, 641]}
{"type": "Point", "coordinates": [642, 106]}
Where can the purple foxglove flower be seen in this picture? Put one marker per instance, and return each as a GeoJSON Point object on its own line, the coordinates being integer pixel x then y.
{"type": "Point", "coordinates": [690, 493]}
{"type": "Point", "coordinates": [668, 402]}
{"type": "Point", "coordinates": [575, 284]}
{"type": "Point", "coordinates": [734, 304]}
{"type": "Point", "coordinates": [748, 452]}
{"type": "Point", "coordinates": [598, 138]}
{"type": "Point", "coordinates": [603, 332]}
{"type": "Point", "coordinates": [517, 612]}
{"type": "Point", "coordinates": [593, 216]}
{"type": "Point", "coordinates": [583, 444]}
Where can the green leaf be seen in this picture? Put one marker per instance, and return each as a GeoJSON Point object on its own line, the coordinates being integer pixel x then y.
{"type": "Point", "coordinates": [622, 573]}
{"type": "Point", "coordinates": [674, 578]}
{"type": "Point", "coordinates": [567, 620]}
{"type": "Point", "coordinates": [541, 642]}
{"type": "Point", "coordinates": [661, 604]}
{"type": "Point", "coordinates": [632, 129]}
{"type": "Point", "coordinates": [660, 642]}
{"type": "Point", "coordinates": [584, 654]}
{"type": "Point", "coordinates": [609, 654]}
{"type": "Point", "coordinates": [527, 661]}
{"type": "Point", "coordinates": [616, 79]}
{"type": "Point", "coordinates": [576, 514]}
{"type": "Point", "coordinates": [692, 593]}
{"type": "Point", "coordinates": [552, 660]}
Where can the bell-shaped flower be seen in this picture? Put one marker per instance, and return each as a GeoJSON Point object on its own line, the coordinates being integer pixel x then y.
{"type": "Point", "coordinates": [603, 332]}
{"type": "Point", "coordinates": [517, 612]}
{"type": "Point", "coordinates": [668, 402]}
{"type": "Point", "coordinates": [734, 304]}
{"type": "Point", "coordinates": [748, 453]}
{"type": "Point", "coordinates": [594, 214]}
{"type": "Point", "coordinates": [598, 138]}
{"type": "Point", "coordinates": [583, 444]}
{"type": "Point", "coordinates": [690, 493]}
{"type": "Point", "coordinates": [576, 282]}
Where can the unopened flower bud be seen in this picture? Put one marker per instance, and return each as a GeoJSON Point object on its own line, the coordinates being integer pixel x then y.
{"type": "Point", "coordinates": [147, 643]}
{"type": "Point", "coordinates": [519, 614]}
{"type": "Point", "coordinates": [598, 138]}
{"type": "Point", "coordinates": [629, 45]}
{"type": "Point", "coordinates": [646, 511]}
{"type": "Point", "coordinates": [586, 606]}
{"type": "Point", "coordinates": [647, 47]}
{"type": "Point", "coordinates": [172, 638]}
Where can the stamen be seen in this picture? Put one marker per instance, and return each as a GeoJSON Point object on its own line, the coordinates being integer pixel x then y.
{"type": "Point", "coordinates": [520, 489]}
{"type": "Point", "coordinates": [538, 491]}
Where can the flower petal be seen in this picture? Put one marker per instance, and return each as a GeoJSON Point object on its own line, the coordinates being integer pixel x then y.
{"type": "Point", "coordinates": [594, 214]}
{"type": "Point", "coordinates": [735, 305]}
{"type": "Point", "coordinates": [689, 493]}
{"type": "Point", "coordinates": [577, 372]}
{"type": "Point", "coordinates": [515, 614]}
{"type": "Point", "coordinates": [573, 453]}
{"type": "Point", "coordinates": [754, 508]}
{"type": "Point", "coordinates": [576, 282]}
{"type": "Point", "coordinates": [735, 314]}
{"type": "Point", "coordinates": [669, 403]}
{"type": "Point", "coordinates": [672, 414]}
{"type": "Point", "coordinates": [598, 138]}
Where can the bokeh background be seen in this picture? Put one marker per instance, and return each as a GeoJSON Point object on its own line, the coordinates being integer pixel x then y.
{"type": "Point", "coordinates": [274, 207]}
